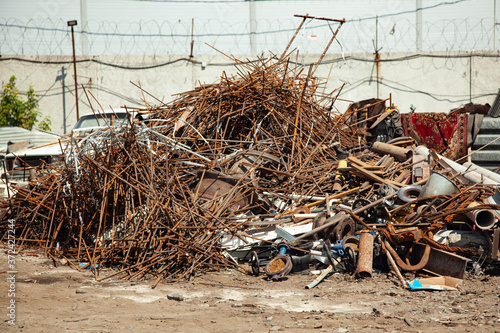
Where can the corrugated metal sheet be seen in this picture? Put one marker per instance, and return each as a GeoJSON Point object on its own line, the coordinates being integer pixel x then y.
{"type": "Point", "coordinates": [17, 134]}
{"type": "Point", "coordinates": [495, 108]}
{"type": "Point", "coordinates": [488, 141]}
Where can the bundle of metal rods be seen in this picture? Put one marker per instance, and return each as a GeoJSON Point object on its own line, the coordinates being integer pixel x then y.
{"type": "Point", "coordinates": [153, 198]}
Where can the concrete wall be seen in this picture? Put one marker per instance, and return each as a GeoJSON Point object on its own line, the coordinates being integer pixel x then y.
{"type": "Point", "coordinates": [435, 82]}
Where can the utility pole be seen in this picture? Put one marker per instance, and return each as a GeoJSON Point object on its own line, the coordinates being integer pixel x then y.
{"type": "Point", "coordinates": [71, 24]}
{"type": "Point", "coordinates": [61, 78]}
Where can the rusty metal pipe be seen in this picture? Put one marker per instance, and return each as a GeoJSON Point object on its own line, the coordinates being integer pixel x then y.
{"type": "Point", "coordinates": [334, 220]}
{"type": "Point", "coordinates": [402, 154]}
{"type": "Point", "coordinates": [405, 266]}
{"type": "Point", "coordinates": [365, 259]}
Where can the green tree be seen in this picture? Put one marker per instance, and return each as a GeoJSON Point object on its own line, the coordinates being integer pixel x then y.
{"type": "Point", "coordinates": [16, 112]}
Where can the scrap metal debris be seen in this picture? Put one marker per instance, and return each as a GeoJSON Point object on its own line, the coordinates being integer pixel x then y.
{"type": "Point", "coordinates": [259, 168]}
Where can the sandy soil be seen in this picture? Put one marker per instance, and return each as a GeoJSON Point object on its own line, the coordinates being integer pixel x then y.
{"type": "Point", "coordinates": [60, 299]}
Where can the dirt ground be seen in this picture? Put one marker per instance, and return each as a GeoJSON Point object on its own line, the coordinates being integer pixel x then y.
{"type": "Point", "coordinates": [60, 299]}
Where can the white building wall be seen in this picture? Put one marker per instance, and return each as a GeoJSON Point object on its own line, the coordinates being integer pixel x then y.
{"type": "Point", "coordinates": [150, 42]}
{"type": "Point", "coordinates": [435, 83]}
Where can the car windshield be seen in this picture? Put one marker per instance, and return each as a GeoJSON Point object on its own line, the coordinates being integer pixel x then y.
{"type": "Point", "coordinates": [98, 121]}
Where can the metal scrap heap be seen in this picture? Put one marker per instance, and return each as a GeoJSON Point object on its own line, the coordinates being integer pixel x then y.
{"type": "Point", "coordinates": [155, 197]}
{"type": "Point", "coordinates": [258, 168]}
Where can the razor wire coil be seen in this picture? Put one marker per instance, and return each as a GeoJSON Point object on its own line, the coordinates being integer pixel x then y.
{"type": "Point", "coordinates": [209, 36]}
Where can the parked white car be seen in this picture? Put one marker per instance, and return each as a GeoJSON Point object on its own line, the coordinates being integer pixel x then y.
{"type": "Point", "coordinates": [91, 122]}
{"type": "Point", "coordinates": [33, 156]}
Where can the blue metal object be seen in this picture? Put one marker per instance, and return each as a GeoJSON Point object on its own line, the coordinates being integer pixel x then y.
{"type": "Point", "coordinates": [283, 248]}
{"type": "Point", "coordinates": [86, 265]}
{"type": "Point", "coordinates": [338, 247]}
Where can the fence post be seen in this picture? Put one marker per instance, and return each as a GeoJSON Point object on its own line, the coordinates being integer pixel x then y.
{"type": "Point", "coordinates": [83, 19]}
{"type": "Point", "coordinates": [253, 27]}
{"type": "Point", "coordinates": [418, 25]}
{"type": "Point", "coordinates": [495, 25]}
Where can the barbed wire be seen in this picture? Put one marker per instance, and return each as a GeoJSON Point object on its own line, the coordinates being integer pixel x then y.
{"type": "Point", "coordinates": [209, 36]}
{"type": "Point", "coordinates": [157, 44]}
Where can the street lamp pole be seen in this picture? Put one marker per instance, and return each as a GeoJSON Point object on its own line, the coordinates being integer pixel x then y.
{"type": "Point", "coordinates": [71, 24]}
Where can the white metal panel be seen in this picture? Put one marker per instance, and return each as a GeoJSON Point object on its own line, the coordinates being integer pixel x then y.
{"type": "Point", "coordinates": [17, 134]}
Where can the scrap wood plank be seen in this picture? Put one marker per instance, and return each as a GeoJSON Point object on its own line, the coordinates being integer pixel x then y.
{"type": "Point", "coordinates": [371, 175]}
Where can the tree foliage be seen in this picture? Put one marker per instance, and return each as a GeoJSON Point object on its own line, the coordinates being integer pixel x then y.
{"type": "Point", "coordinates": [14, 111]}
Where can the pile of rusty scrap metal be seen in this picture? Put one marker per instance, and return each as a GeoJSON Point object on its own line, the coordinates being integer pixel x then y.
{"type": "Point", "coordinates": [260, 169]}
{"type": "Point", "coordinates": [406, 209]}
{"type": "Point", "coordinates": [155, 197]}
{"type": "Point", "coordinates": [257, 169]}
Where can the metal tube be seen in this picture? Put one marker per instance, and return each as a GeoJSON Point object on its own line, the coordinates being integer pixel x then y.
{"type": "Point", "coordinates": [253, 27]}
{"type": "Point", "coordinates": [407, 267]}
{"type": "Point", "coordinates": [365, 259]}
{"type": "Point", "coordinates": [485, 172]}
{"type": "Point", "coordinates": [484, 219]}
{"type": "Point", "coordinates": [471, 176]}
{"type": "Point", "coordinates": [293, 37]}
{"type": "Point", "coordinates": [402, 154]}
{"type": "Point", "coordinates": [299, 196]}
{"type": "Point", "coordinates": [334, 220]}
{"type": "Point", "coordinates": [74, 70]}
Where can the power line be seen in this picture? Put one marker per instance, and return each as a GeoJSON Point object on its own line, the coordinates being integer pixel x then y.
{"type": "Point", "coordinates": [197, 62]}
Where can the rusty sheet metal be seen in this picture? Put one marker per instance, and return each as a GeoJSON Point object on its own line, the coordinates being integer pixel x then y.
{"type": "Point", "coordinates": [441, 262]}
